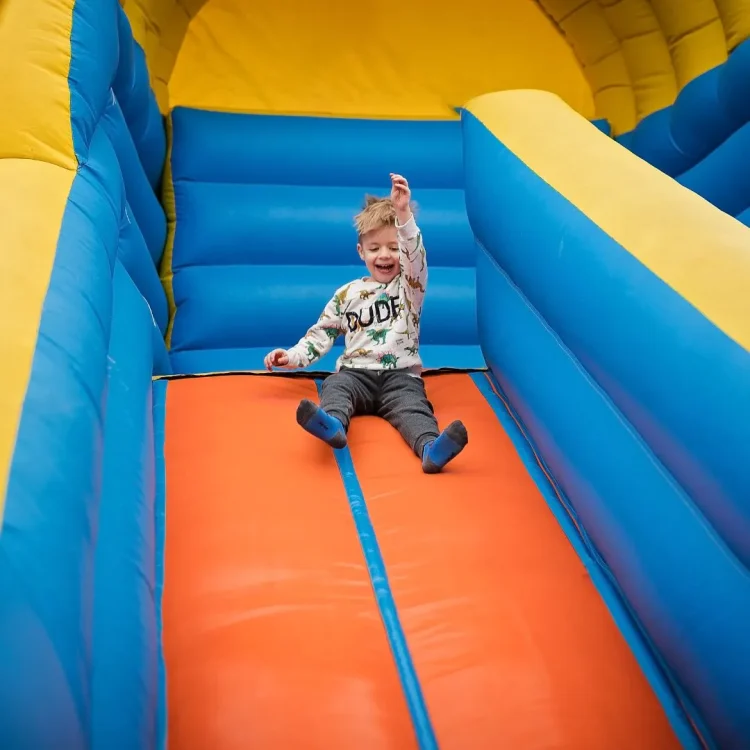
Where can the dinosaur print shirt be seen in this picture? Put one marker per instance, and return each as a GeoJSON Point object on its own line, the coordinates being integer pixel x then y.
{"type": "Point", "coordinates": [379, 322]}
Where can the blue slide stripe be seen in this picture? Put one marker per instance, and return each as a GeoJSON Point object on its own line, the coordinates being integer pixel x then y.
{"type": "Point", "coordinates": [675, 704]}
{"type": "Point", "coordinates": [159, 407]}
{"type": "Point", "coordinates": [384, 597]}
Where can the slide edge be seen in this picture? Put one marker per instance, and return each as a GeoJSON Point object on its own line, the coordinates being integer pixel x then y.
{"type": "Point", "coordinates": [667, 692]}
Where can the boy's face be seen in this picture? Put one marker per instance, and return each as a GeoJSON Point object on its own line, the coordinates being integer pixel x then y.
{"type": "Point", "coordinates": [379, 250]}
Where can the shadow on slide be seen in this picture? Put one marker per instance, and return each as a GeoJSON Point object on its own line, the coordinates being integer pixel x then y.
{"type": "Point", "coordinates": [269, 612]}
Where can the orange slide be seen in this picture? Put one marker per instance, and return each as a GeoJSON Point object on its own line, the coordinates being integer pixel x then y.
{"type": "Point", "coordinates": [274, 639]}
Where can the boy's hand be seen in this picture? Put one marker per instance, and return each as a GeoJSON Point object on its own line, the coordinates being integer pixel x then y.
{"type": "Point", "coordinates": [276, 358]}
{"type": "Point", "coordinates": [401, 197]}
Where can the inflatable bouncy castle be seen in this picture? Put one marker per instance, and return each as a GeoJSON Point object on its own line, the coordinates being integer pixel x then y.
{"type": "Point", "coordinates": [182, 567]}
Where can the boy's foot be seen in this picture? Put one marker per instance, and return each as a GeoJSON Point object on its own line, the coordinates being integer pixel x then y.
{"type": "Point", "coordinates": [321, 424]}
{"type": "Point", "coordinates": [444, 448]}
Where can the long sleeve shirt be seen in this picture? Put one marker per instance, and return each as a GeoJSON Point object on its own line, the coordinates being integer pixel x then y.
{"type": "Point", "coordinates": [379, 322]}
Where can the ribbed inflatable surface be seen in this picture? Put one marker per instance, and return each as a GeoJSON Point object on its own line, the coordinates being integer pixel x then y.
{"type": "Point", "coordinates": [264, 231]}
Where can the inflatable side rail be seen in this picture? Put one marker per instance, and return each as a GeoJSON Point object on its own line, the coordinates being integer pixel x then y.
{"type": "Point", "coordinates": [614, 309]}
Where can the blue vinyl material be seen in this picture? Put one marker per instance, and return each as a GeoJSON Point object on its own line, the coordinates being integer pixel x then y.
{"type": "Point", "coordinates": [723, 179]}
{"type": "Point", "coordinates": [650, 378]}
{"type": "Point", "coordinates": [386, 604]}
{"type": "Point", "coordinates": [281, 225]}
{"type": "Point", "coordinates": [703, 139]}
{"type": "Point", "coordinates": [94, 56]}
{"type": "Point", "coordinates": [313, 151]}
{"type": "Point", "coordinates": [78, 631]}
{"type": "Point", "coordinates": [125, 639]}
{"type": "Point", "coordinates": [123, 77]}
{"type": "Point", "coordinates": [617, 418]}
{"type": "Point", "coordinates": [132, 87]}
{"type": "Point", "coordinates": [264, 233]}
{"type": "Point", "coordinates": [140, 266]}
{"type": "Point", "coordinates": [49, 530]}
{"type": "Point", "coordinates": [265, 306]}
{"type": "Point", "coordinates": [145, 206]}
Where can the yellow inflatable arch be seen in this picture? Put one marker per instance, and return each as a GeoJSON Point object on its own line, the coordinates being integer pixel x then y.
{"type": "Point", "coordinates": [618, 60]}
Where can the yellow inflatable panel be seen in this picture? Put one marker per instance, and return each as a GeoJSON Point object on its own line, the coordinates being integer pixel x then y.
{"type": "Point", "coordinates": [646, 54]}
{"type": "Point", "coordinates": [634, 54]}
{"type": "Point", "coordinates": [735, 17]}
{"type": "Point", "coordinates": [33, 195]}
{"type": "Point", "coordinates": [34, 93]}
{"type": "Point", "coordinates": [661, 44]}
{"type": "Point", "coordinates": [699, 251]}
{"type": "Point", "coordinates": [695, 36]}
{"type": "Point", "coordinates": [420, 60]}
{"type": "Point", "coordinates": [37, 168]}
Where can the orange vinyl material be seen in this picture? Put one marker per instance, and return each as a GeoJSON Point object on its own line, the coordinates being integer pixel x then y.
{"type": "Point", "coordinates": [512, 644]}
{"type": "Point", "coordinates": [272, 635]}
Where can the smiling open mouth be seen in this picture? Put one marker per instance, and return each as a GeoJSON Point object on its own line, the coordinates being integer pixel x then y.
{"type": "Point", "coordinates": [385, 267]}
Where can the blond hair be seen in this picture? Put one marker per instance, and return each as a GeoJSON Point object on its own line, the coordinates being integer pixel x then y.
{"type": "Point", "coordinates": [376, 213]}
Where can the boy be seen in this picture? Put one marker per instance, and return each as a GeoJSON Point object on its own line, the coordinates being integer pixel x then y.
{"type": "Point", "coordinates": [380, 369]}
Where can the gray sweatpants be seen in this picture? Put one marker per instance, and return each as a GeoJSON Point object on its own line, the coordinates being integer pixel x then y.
{"type": "Point", "coordinates": [394, 395]}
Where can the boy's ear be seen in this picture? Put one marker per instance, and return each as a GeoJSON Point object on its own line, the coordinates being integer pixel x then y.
{"type": "Point", "coordinates": [360, 252]}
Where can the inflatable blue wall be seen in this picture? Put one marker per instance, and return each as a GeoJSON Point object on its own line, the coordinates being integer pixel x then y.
{"type": "Point", "coordinates": [78, 637]}
{"type": "Point", "coordinates": [264, 231]}
{"type": "Point", "coordinates": [637, 401]}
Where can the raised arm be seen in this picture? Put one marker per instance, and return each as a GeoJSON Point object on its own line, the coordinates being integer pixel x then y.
{"type": "Point", "coordinates": [411, 246]}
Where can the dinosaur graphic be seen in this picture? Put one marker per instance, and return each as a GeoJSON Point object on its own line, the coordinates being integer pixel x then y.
{"type": "Point", "coordinates": [415, 319]}
{"type": "Point", "coordinates": [312, 352]}
{"type": "Point", "coordinates": [378, 337]}
{"type": "Point", "coordinates": [414, 283]}
{"type": "Point", "coordinates": [412, 350]}
{"type": "Point", "coordinates": [340, 298]}
{"type": "Point", "coordinates": [388, 360]}
{"type": "Point", "coordinates": [332, 333]}
{"type": "Point", "coordinates": [357, 353]}
{"type": "Point", "coordinates": [384, 297]}
{"type": "Point", "coordinates": [366, 294]}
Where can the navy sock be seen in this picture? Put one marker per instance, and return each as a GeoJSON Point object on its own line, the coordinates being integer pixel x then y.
{"type": "Point", "coordinates": [444, 448]}
{"type": "Point", "coordinates": [321, 424]}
